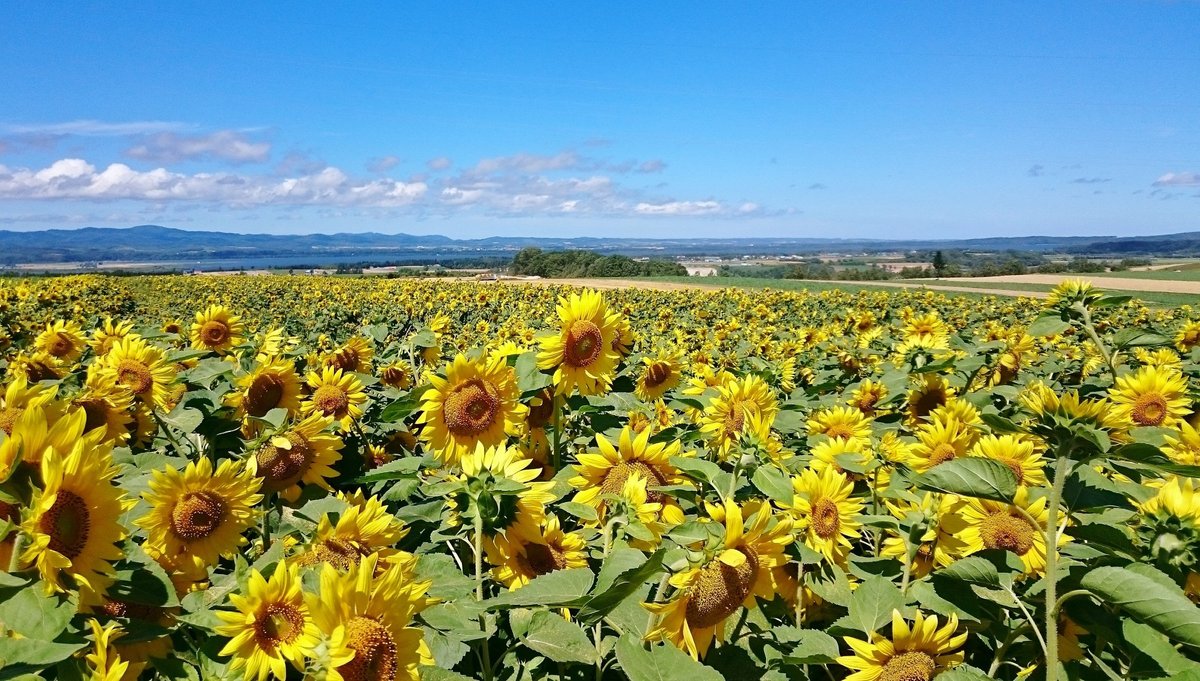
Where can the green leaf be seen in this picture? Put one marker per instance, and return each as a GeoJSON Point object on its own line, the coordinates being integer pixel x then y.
{"type": "Point", "coordinates": [402, 407]}
{"type": "Point", "coordinates": [873, 603]}
{"type": "Point", "coordinates": [1151, 654]}
{"type": "Point", "coordinates": [700, 469]}
{"type": "Point", "coordinates": [612, 587]}
{"type": "Point", "coordinates": [660, 663]}
{"type": "Point", "coordinates": [33, 614]}
{"type": "Point", "coordinates": [184, 419]}
{"type": "Point", "coordinates": [1152, 457]}
{"type": "Point", "coordinates": [1048, 324]}
{"type": "Point", "coordinates": [996, 569]}
{"type": "Point", "coordinates": [529, 377]}
{"type": "Point", "coordinates": [14, 652]}
{"type": "Point", "coordinates": [1147, 600]}
{"type": "Point", "coordinates": [811, 647]}
{"type": "Point", "coordinates": [449, 583]}
{"type": "Point", "coordinates": [772, 482]}
{"type": "Point", "coordinates": [392, 470]}
{"type": "Point", "coordinates": [963, 673]}
{"type": "Point", "coordinates": [558, 639]}
{"type": "Point", "coordinates": [972, 477]}
{"type": "Point", "coordinates": [553, 588]}
{"type": "Point", "coordinates": [439, 674]}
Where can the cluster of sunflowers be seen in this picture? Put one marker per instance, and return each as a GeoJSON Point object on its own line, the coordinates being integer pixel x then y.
{"type": "Point", "coordinates": [393, 479]}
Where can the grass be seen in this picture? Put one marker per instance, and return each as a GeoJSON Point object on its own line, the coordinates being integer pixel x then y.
{"type": "Point", "coordinates": [1189, 272]}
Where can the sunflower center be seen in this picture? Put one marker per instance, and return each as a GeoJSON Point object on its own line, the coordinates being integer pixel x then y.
{"type": "Point", "coordinates": [840, 431]}
{"type": "Point", "coordinates": [942, 453]}
{"type": "Point", "coordinates": [541, 413]}
{"type": "Point", "coordinates": [331, 400]}
{"type": "Point", "coordinates": [278, 623]}
{"type": "Point", "coordinates": [584, 343]}
{"type": "Point", "coordinates": [347, 359]}
{"type": "Point", "coordinates": [543, 558]}
{"type": "Point", "coordinates": [1149, 410]}
{"type": "Point", "coordinates": [1015, 467]}
{"type": "Point", "coordinates": [264, 394]}
{"type": "Point", "coordinates": [614, 480]}
{"type": "Point", "coordinates": [118, 608]}
{"type": "Point", "coordinates": [282, 467]}
{"type": "Point", "coordinates": [9, 417]}
{"type": "Point", "coordinates": [135, 375]}
{"type": "Point", "coordinates": [910, 666]}
{"type": "Point", "coordinates": [657, 374]}
{"type": "Point", "coordinates": [1001, 530]}
{"type": "Point", "coordinates": [375, 655]}
{"type": "Point", "coordinates": [67, 523]}
{"type": "Point", "coordinates": [471, 408]}
{"type": "Point", "coordinates": [735, 420]}
{"type": "Point", "coordinates": [394, 376]}
{"type": "Point", "coordinates": [61, 346]}
{"type": "Point", "coordinates": [197, 515]}
{"type": "Point", "coordinates": [927, 402]}
{"type": "Point", "coordinates": [826, 520]}
{"type": "Point", "coordinates": [720, 589]}
{"type": "Point", "coordinates": [340, 554]}
{"type": "Point", "coordinates": [214, 333]}
{"type": "Point", "coordinates": [95, 413]}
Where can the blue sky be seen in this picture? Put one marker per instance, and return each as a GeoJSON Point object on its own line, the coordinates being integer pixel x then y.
{"type": "Point", "coordinates": [669, 119]}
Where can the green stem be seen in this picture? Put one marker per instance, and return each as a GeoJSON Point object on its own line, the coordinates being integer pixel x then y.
{"type": "Point", "coordinates": [1003, 650]}
{"type": "Point", "coordinates": [1090, 329]}
{"type": "Point", "coordinates": [799, 593]}
{"type": "Point", "coordinates": [14, 562]}
{"type": "Point", "coordinates": [909, 557]}
{"type": "Point", "coordinates": [555, 457]}
{"type": "Point", "coordinates": [1028, 617]}
{"type": "Point", "coordinates": [1058, 604]}
{"type": "Point", "coordinates": [598, 630]}
{"type": "Point", "coordinates": [1061, 471]}
{"type": "Point", "coordinates": [659, 592]}
{"type": "Point", "coordinates": [266, 522]}
{"type": "Point", "coordinates": [487, 660]}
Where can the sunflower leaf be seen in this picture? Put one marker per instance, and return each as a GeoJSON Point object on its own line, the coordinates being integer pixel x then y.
{"type": "Point", "coordinates": [971, 477]}
{"type": "Point", "coordinates": [613, 587]}
{"type": "Point", "coordinates": [772, 482]}
{"type": "Point", "coordinates": [660, 663]}
{"type": "Point", "coordinates": [558, 639]}
{"type": "Point", "coordinates": [1147, 600]}
{"type": "Point", "coordinates": [560, 587]}
{"type": "Point", "coordinates": [873, 603]}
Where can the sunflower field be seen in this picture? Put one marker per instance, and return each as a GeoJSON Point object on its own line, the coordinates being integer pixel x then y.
{"type": "Point", "coordinates": [325, 478]}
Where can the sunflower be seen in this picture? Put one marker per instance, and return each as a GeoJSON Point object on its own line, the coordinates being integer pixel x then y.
{"type": "Point", "coordinates": [1188, 337]}
{"type": "Point", "coordinates": [1016, 452]}
{"type": "Point", "coordinates": [867, 396]}
{"type": "Point", "coordinates": [840, 423]}
{"type": "Point", "coordinates": [106, 335]}
{"type": "Point", "coordinates": [141, 369]}
{"type": "Point", "coordinates": [928, 325]}
{"type": "Point", "coordinates": [216, 329]}
{"type": "Point", "coordinates": [273, 384]}
{"type": "Point", "coordinates": [368, 611]}
{"type": "Point", "coordinates": [197, 516]}
{"type": "Point", "coordinates": [826, 512]}
{"type": "Point", "coordinates": [41, 430]}
{"type": "Point", "coordinates": [505, 483]}
{"type": "Point", "coordinates": [529, 549]}
{"type": "Point", "coordinates": [354, 357]}
{"type": "Point", "coordinates": [334, 394]}
{"type": "Point", "coordinates": [939, 441]}
{"type": "Point", "coordinates": [581, 352]}
{"type": "Point", "coordinates": [105, 405]}
{"type": "Point", "coordinates": [939, 546]}
{"type": "Point", "coordinates": [103, 660]}
{"type": "Point", "coordinates": [831, 453]}
{"type": "Point", "coordinates": [930, 393]}
{"type": "Point", "coordinates": [271, 626]}
{"type": "Point", "coordinates": [73, 522]}
{"type": "Point", "coordinates": [916, 653]}
{"type": "Point", "coordinates": [998, 525]}
{"type": "Point", "coordinates": [1073, 290]}
{"type": "Point", "coordinates": [605, 471]}
{"type": "Point", "coordinates": [1183, 446]}
{"type": "Point", "coordinates": [64, 341]}
{"type": "Point", "coordinates": [364, 528]}
{"type": "Point", "coordinates": [303, 453]}
{"type": "Point", "coordinates": [1151, 397]}
{"type": "Point", "coordinates": [661, 374]}
{"type": "Point", "coordinates": [396, 375]}
{"type": "Point", "coordinates": [740, 406]}
{"type": "Point", "coordinates": [19, 395]}
{"type": "Point", "coordinates": [710, 593]}
{"type": "Point", "coordinates": [475, 404]}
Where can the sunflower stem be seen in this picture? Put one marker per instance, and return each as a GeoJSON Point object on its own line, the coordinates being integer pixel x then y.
{"type": "Point", "coordinates": [1110, 358]}
{"type": "Point", "coordinates": [555, 458]}
{"type": "Point", "coordinates": [659, 592]}
{"type": "Point", "coordinates": [14, 562]}
{"type": "Point", "coordinates": [1061, 471]}
{"type": "Point", "coordinates": [799, 593]}
{"type": "Point", "coordinates": [487, 661]}
{"type": "Point", "coordinates": [1058, 604]}
{"type": "Point", "coordinates": [909, 557]}
{"type": "Point", "coordinates": [1003, 649]}
{"type": "Point", "coordinates": [266, 521]}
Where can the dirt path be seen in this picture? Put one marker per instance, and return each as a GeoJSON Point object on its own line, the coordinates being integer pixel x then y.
{"type": "Point", "coordinates": [1111, 283]}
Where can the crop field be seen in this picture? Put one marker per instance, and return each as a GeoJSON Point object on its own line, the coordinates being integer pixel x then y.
{"type": "Point", "coordinates": [362, 478]}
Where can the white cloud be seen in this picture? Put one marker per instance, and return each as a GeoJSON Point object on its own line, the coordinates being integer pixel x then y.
{"type": "Point", "coordinates": [225, 145]}
{"type": "Point", "coordinates": [383, 164]}
{"type": "Point", "coordinates": [1178, 180]}
{"type": "Point", "coordinates": [78, 179]}
{"type": "Point", "coordinates": [439, 163]}
{"type": "Point", "coordinates": [92, 128]}
{"type": "Point", "coordinates": [679, 208]}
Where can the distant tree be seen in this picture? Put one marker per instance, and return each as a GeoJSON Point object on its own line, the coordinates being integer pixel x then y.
{"type": "Point", "coordinates": [939, 263]}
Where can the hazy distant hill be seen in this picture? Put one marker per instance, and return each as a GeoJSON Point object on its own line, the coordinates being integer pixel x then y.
{"type": "Point", "coordinates": [155, 243]}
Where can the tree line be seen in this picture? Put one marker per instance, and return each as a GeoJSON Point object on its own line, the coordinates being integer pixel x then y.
{"type": "Point", "coordinates": [567, 264]}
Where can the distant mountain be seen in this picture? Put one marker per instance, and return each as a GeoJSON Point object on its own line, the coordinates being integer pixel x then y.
{"type": "Point", "coordinates": [153, 243]}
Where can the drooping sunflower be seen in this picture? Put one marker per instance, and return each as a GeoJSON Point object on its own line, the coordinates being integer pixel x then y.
{"type": "Point", "coordinates": [508, 480]}
{"type": "Point", "coordinates": [997, 525]}
{"type": "Point", "coordinates": [939, 441]}
{"type": "Point", "coordinates": [581, 352]}
{"type": "Point", "coordinates": [369, 611]}
{"type": "Point", "coordinates": [740, 406]}
{"type": "Point", "coordinates": [912, 653]}
{"type": "Point", "coordinates": [304, 453]}
{"type": "Point", "coordinates": [62, 340]}
{"type": "Point", "coordinates": [939, 546]}
{"type": "Point", "coordinates": [141, 369]}
{"type": "Point", "coordinates": [476, 403]}
{"type": "Point", "coordinates": [826, 512]}
{"type": "Point", "coordinates": [197, 516]}
{"type": "Point", "coordinates": [1153, 396]}
{"type": "Point", "coordinates": [1016, 452]}
{"type": "Point", "coordinates": [931, 392]}
{"type": "Point", "coordinates": [530, 549]}
{"type": "Point", "coordinates": [606, 470]}
{"type": "Point", "coordinates": [19, 395]}
{"type": "Point", "coordinates": [840, 423]}
{"type": "Point", "coordinates": [105, 405]}
{"type": "Point", "coordinates": [1183, 446]}
{"type": "Point", "coordinates": [396, 375]}
{"type": "Point", "coordinates": [661, 373]}
{"type": "Point", "coordinates": [334, 394]}
{"type": "Point", "coordinates": [73, 522]}
{"type": "Point", "coordinates": [354, 356]}
{"type": "Point", "coordinates": [832, 453]}
{"type": "Point", "coordinates": [41, 430]}
{"type": "Point", "coordinates": [107, 335]}
{"type": "Point", "coordinates": [710, 593]}
{"type": "Point", "coordinates": [273, 384]}
{"type": "Point", "coordinates": [1188, 337]}
{"type": "Point", "coordinates": [217, 329]}
{"type": "Point", "coordinates": [867, 396]}
{"type": "Point", "coordinates": [365, 528]}
{"type": "Point", "coordinates": [271, 627]}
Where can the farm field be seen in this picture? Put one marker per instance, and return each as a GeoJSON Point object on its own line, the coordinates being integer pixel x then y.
{"type": "Point", "coordinates": [367, 478]}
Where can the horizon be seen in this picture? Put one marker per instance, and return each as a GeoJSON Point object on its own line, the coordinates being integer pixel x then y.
{"type": "Point", "coordinates": [936, 121]}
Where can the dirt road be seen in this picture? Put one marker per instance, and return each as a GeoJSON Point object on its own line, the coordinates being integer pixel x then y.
{"type": "Point", "coordinates": [1111, 283]}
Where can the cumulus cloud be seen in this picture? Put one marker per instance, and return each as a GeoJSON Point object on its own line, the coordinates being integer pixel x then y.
{"type": "Point", "coordinates": [1178, 180]}
{"type": "Point", "coordinates": [383, 164]}
{"type": "Point", "coordinates": [77, 179]}
{"type": "Point", "coordinates": [225, 145]}
{"type": "Point", "coordinates": [679, 208]}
